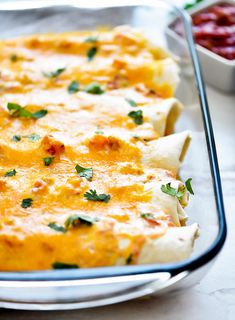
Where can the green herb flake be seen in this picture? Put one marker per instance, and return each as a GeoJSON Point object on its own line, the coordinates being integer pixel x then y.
{"type": "Point", "coordinates": [78, 219]}
{"type": "Point", "coordinates": [48, 160]}
{"type": "Point", "coordinates": [33, 137]}
{"type": "Point", "coordinates": [131, 102]}
{"type": "Point", "coordinates": [172, 191]}
{"type": "Point", "coordinates": [84, 172]}
{"type": "Point", "coordinates": [148, 216]}
{"type": "Point", "coordinates": [129, 259]}
{"type": "Point", "coordinates": [73, 87]}
{"type": "Point", "coordinates": [39, 114]}
{"type": "Point", "coordinates": [17, 111]}
{"type": "Point", "coordinates": [91, 39]}
{"type": "Point", "coordinates": [14, 109]}
{"type": "Point", "coordinates": [16, 138]}
{"type": "Point", "coordinates": [62, 265]}
{"type": "Point", "coordinates": [189, 186]}
{"type": "Point", "coordinates": [188, 6]}
{"type": "Point", "coordinates": [91, 53]}
{"type": "Point", "coordinates": [99, 132]}
{"type": "Point", "coordinates": [54, 74]}
{"type": "Point", "coordinates": [56, 227]}
{"type": "Point", "coordinates": [93, 196]}
{"type": "Point", "coordinates": [26, 203]}
{"type": "Point", "coordinates": [137, 116]}
{"type": "Point", "coordinates": [94, 88]}
{"type": "Point", "coordinates": [14, 58]}
{"type": "Point", "coordinates": [10, 173]}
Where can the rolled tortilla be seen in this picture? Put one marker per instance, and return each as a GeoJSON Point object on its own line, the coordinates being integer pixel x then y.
{"type": "Point", "coordinates": [163, 115]}
{"type": "Point", "coordinates": [167, 152]}
{"type": "Point", "coordinates": [175, 245]}
{"type": "Point", "coordinates": [169, 204]}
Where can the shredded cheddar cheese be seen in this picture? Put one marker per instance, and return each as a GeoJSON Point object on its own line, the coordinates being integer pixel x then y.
{"type": "Point", "coordinates": [74, 189]}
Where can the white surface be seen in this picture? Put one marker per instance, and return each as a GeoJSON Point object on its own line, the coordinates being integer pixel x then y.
{"type": "Point", "coordinates": [212, 298]}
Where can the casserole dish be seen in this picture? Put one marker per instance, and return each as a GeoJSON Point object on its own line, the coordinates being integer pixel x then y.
{"type": "Point", "coordinates": [218, 71]}
{"type": "Point", "coordinates": [68, 289]}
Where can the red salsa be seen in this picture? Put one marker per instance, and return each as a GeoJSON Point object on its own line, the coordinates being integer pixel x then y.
{"type": "Point", "coordinates": [214, 29]}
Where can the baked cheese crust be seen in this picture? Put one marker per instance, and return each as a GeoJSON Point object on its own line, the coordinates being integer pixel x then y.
{"type": "Point", "coordinates": [87, 150]}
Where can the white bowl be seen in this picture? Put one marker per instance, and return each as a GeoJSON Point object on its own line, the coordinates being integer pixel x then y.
{"type": "Point", "coordinates": [217, 71]}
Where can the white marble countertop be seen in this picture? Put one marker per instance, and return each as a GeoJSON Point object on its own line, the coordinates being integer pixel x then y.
{"type": "Point", "coordinates": [212, 298]}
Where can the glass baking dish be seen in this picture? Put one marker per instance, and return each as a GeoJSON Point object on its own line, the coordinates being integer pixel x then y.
{"type": "Point", "coordinates": [82, 288]}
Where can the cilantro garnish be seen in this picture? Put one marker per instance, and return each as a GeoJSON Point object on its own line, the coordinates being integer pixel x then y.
{"type": "Point", "coordinates": [16, 138]}
{"type": "Point", "coordinates": [137, 116]}
{"type": "Point", "coordinates": [188, 6]}
{"type": "Point", "coordinates": [73, 87]}
{"type": "Point", "coordinates": [78, 219]}
{"type": "Point", "coordinates": [19, 112]}
{"type": "Point", "coordinates": [148, 216]}
{"type": "Point", "coordinates": [26, 203]}
{"type": "Point", "coordinates": [53, 74]}
{"type": "Point", "coordinates": [84, 172]}
{"type": "Point", "coordinates": [56, 227]}
{"type": "Point", "coordinates": [91, 39]}
{"type": "Point", "coordinates": [188, 185]}
{"type": "Point", "coordinates": [33, 137]}
{"type": "Point", "coordinates": [94, 88]}
{"type": "Point", "coordinates": [131, 102]}
{"type": "Point", "coordinates": [39, 114]}
{"type": "Point", "coordinates": [99, 131]}
{"type": "Point", "coordinates": [48, 160]}
{"type": "Point", "coordinates": [93, 196]}
{"type": "Point", "coordinates": [129, 258]}
{"type": "Point", "coordinates": [172, 191]}
{"type": "Point", "coordinates": [10, 173]}
{"type": "Point", "coordinates": [62, 265]}
{"type": "Point", "coordinates": [91, 53]}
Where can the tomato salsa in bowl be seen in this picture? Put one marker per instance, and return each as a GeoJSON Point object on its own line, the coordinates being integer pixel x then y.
{"type": "Point", "coordinates": [213, 27]}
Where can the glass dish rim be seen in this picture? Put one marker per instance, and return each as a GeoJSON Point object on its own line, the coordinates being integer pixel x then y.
{"type": "Point", "coordinates": [172, 268]}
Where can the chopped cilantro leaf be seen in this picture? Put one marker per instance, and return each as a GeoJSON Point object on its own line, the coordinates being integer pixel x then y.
{"type": "Point", "coordinates": [172, 191]}
{"type": "Point", "coordinates": [188, 6]}
{"type": "Point", "coordinates": [16, 138]}
{"type": "Point", "coordinates": [99, 131]}
{"type": "Point", "coordinates": [78, 219]}
{"type": "Point", "coordinates": [189, 186]}
{"type": "Point", "coordinates": [39, 114]}
{"type": "Point", "coordinates": [10, 173]}
{"type": "Point", "coordinates": [137, 116]}
{"type": "Point", "coordinates": [94, 88]}
{"type": "Point", "coordinates": [147, 216]}
{"type": "Point", "coordinates": [62, 265]}
{"type": "Point", "coordinates": [33, 137]}
{"type": "Point", "coordinates": [26, 203]}
{"type": "Point", "coordinates": [129, 259]}
{"type": "Point", "coordinates": [48, 160]}
{"type": "Point", "coordinates": [91, 39]}
{"type": "Point", "coordinates": [84, 172]}
{"type": "Point", "coordinates": [19, 112]}
{"type": "Point", "coordinates": [132, 103]}
{"type": "Point", "coordinates": [91, 53]}
{"type": "Point", "coordinates": [54, 74]}
{"type": "Point", "coordinates": [73, 87]}
{"type": "Point", "coordinates": [93, 196]}
{"type": "Point", "coordinates": [56, 227]}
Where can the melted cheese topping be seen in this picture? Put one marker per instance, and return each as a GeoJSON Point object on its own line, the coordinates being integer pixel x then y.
{"type": "Point", "coordinates": [93, 131]}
